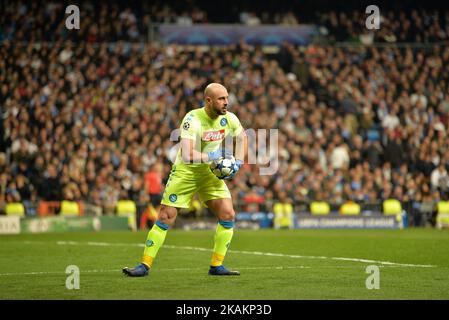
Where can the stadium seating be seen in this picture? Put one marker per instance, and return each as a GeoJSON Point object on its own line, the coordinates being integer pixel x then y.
{"type": "Point", "coordinates": [442, 214]}
{"type": "Point", "coordinates": [319, 208]}
{"type": "Point", "coordinates": [283, 215]}
{"type": "Point", "coordinates": [15, 209]}
{"type": "Point", "coordinates": [350, 208]}
{"type": "Point", "coordinates": [69, 208]}
{"type": "Point", "coordinates": [127, 208]}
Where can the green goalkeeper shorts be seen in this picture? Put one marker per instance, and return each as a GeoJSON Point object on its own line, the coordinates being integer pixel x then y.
{"type": "Point", "coordinates": [184, 182]}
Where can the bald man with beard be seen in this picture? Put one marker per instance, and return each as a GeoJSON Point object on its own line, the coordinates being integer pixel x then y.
{"type": "Point", "coordinates": [202, 133]}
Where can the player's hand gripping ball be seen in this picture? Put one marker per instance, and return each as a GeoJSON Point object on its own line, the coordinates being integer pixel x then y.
{"type": "Point", "coordinates": [223, 167]}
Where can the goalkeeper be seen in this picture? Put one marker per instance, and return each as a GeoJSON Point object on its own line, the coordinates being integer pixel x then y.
{"type": "Point", "coordinates": [202, 133]}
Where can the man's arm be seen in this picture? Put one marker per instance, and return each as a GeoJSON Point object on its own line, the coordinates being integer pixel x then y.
{"type": "Point", "coordinates": [189, 154]}
{"type": "Point", "coordinates": [189, 134]}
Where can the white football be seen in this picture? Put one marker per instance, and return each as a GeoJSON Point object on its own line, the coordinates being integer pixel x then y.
{"type": "Point", "coordinates": [223, 167]}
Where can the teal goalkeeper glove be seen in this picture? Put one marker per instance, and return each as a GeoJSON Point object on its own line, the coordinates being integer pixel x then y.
{"type": "Point", "coordinates": [219, 153]}
{"type": "Point", "coordinates": [238, 164]}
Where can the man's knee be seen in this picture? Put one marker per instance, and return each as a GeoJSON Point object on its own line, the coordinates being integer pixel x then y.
{"type": "Point", "coordinates": [227, 215]}
{"type": "Point", "coordinates": [223, 209]}
{"type": "Point", "coordinates": [167, 215]}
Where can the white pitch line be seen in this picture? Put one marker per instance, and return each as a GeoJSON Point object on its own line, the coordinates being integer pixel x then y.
{"type": "Point", "coordinates": [255, 253]}
{"type": "Point", "coordinates": [170, 270]}
{"type": "Point", "coordinates": [118, 270]}
{"type": "Point", "coordinates": [313, 257]}
{"type": "Point", "coordinates": [50, 272]}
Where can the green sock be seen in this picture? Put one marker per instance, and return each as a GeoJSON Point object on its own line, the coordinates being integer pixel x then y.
{"type": "Point", "coordinates": [155, 239]}
{"type": "Point", "coordinates": [223, 236]}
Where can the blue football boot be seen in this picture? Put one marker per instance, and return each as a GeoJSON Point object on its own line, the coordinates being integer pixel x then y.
{"type": "Point", "coordinates": [140, 271]}
{"type": "Point", "coordinates": [222, 271]}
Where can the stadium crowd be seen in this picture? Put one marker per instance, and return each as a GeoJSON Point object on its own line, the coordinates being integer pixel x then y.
{"type": "Point", "coordinates": [93, 121]}
{"type": "Point", "coordinates": [131, 21]}
{"type": "Point", "coordinates": [89, 123]}
{"type": "Point", "coordinates": [403, 25]}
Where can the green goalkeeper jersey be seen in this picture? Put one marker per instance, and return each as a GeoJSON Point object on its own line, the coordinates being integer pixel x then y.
{"type": "Point", "coordinates": [208, 133]}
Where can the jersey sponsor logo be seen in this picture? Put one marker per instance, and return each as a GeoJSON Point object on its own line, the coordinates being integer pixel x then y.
{"type": "Point", "coordinates": [213, 135]}
{"type": "Point", "coordinates": [223, 122]}
{"type": "Point", "coordinates": [186, 126]}
{"type": "Point", "coordinates": [173, 197]}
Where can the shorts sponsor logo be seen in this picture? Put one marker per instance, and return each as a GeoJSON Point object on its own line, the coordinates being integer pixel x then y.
{"type": "Point", "coordinates": [213, 135]}
{"type": "Point", "coordinates": [173, 197]}
{"type": "Point", "coordinates": [223, 122]}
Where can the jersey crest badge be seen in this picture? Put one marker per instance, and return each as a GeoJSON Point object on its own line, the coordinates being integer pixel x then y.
{"type": "Point", "coordinates": [223, 122]}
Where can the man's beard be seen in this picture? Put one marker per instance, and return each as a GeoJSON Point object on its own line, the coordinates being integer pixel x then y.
{"type": "Point", "coordinates": [221, 110]}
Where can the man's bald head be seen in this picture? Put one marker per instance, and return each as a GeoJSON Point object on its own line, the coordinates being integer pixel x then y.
{"type": "Point", "coordinates": [213, 89]}
{"type": "Point", "coordinates": [216, 99]}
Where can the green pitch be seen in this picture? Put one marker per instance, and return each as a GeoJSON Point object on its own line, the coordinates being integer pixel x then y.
{"type": "Point", "coordinates": [275, 264]}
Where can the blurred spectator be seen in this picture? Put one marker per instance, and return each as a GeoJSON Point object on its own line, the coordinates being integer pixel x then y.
{"type": "Point", "coordinates": [283, 212]}
{"type": "Point", "coordinates": [153, 183]}
{"type": "Point", "coordinates": [339, 156]}
{"type": "Point", "coordinates": [50, 189]}
{"type": "Point", "coordinates": [439, 179]}
{"type": "Point", "coordinates": [393, 151]}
